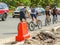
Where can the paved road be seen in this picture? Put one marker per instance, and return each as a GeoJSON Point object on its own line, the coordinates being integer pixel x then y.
{"type": "Point", "coordinates": [8, 28]}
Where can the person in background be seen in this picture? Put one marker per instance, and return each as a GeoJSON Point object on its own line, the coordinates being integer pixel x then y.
{"type": "Point", "coordinates": [33, 14]}
{"type": "Point", "coordinates": [23, 13]}
{"type": "Point", "coordinates": [54, 13]}
{"type": "Point", "coordinates": [47, 12]}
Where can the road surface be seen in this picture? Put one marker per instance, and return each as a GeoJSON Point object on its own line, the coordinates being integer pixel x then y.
{"type": "Point", "coordinates": [8, 28]}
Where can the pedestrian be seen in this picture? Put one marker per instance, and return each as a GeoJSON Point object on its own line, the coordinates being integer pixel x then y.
{"type": "Point", "coordinates": [47, 12]}
{"type": "Point", "coordinates": [23, 13]}
{"type": "Point", "coordinates": [54, 13]}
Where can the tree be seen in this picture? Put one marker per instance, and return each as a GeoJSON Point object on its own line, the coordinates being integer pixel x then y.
{"type": "Point", "coordinates": [43, 3]}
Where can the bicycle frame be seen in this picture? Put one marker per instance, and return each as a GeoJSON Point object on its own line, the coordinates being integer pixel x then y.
{"type": "Point", "coordinates": [39, 25]}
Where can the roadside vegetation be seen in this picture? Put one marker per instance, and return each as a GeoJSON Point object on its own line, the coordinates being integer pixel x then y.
{"type": "Point", "coordinates": [42, 3]}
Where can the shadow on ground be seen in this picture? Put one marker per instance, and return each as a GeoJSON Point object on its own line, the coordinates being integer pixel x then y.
{"type": "Point", "coordinates": [8, 33]}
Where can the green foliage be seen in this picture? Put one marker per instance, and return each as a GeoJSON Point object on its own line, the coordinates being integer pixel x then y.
{"type": "Point", "coordinates": [43, 3]}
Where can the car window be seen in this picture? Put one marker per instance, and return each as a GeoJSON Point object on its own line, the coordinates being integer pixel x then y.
{"type": "Point", "coordinates": [19, 8]}
{"type": "Point", "coordinates": [4, 6]}
{"type": "Point", "coordinates": [1, 7]}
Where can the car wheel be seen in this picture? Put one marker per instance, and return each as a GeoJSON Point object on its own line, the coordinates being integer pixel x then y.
{"type": "Point", "coordinates": [4, 17]}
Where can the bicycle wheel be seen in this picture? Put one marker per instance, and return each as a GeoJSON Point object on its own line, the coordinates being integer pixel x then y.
{"type": "Point", "coordinates": [28, 25]}
{"type": "Point", "coordinates": [39, 24]}
{"type": "Point", "coordinates": [31, 26]}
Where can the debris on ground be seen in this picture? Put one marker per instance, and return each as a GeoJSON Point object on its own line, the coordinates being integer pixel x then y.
{"type": "Point", "coordinates": [44, 37]}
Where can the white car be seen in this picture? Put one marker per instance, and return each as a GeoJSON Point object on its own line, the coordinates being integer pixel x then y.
{"type": "Point", "coordinates": [17, 11]}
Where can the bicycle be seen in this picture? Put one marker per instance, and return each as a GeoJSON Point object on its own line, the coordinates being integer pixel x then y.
{"type": "Point", "coordinates": [47, 21]}
{"type": "Point", "coordinates": [32, 25]}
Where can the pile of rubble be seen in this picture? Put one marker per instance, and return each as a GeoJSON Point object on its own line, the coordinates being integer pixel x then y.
{"type": "Point", "coordinates": [43, 38]}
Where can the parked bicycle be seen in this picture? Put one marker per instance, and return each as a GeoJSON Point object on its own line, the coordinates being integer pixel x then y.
{"type": "Point", "coordinates": [32, 25]}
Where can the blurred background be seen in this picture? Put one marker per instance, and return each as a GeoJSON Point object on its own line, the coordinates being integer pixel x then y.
{"type": "Point", "coordinates": [42, 3]}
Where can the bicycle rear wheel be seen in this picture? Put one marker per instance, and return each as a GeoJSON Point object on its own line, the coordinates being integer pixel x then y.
{"type": "Point", "coordinates": [39, 24]}
{"type": "Point", "coordinates": [31, 26]}
{"type": "Point", "coordinates": [28, 25]}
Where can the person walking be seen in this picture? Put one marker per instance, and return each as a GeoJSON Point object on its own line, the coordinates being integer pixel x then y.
{"type": "Point", "coordinates": [54, 13]}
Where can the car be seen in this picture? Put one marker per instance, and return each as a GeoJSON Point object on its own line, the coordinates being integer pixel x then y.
{"type": "Point", "coordinates": [58, 11]}
{"type": "Point", "coordinates": [16, 13]}
{"type": "Point", "coordinates": [3, 11]}
{"type": "Point", "coordinates": [40, 10]}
